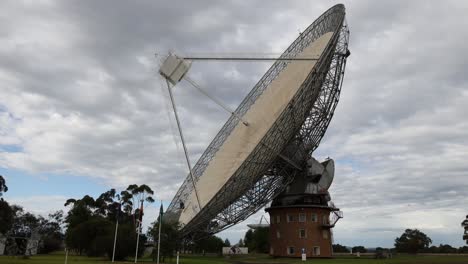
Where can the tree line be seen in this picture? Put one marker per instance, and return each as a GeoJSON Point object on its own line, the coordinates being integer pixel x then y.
{"type": "Point", "coordinates": [411, 241]}
{"type": "Point", "coordinates": [16, 224]}
{"type": "Point", "coordinates": [91, 222]}
{"type": "Point", "coordinates": [89, 228]}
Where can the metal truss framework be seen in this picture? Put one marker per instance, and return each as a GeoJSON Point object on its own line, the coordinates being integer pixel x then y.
{"type": "Point", "coordinates": [294, 135]}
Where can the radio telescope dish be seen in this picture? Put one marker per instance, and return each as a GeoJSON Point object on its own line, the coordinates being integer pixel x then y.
{"type": "Point", "coordinates": [287, 111]}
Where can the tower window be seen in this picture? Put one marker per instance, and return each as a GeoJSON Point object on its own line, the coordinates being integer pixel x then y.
{"type": "Point", "coordinates": [278, 234]}
{"type": "Point", "coordinates": [290, 218]}
{"type": "Point", "coordinates": [325, 219]}
{"type": "Point", "coordinates": [314, 217]}
{"type": "Point", "coordinates": [302, 217]}
{"type": "Point", "coordinates": [316, 251]}
{"type": "Point", "coordinates": [302, 233]}
{"type": "Point", "coordinates": [325, 234]}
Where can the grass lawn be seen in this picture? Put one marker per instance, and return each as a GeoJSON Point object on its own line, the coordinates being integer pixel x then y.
{"type": "Point", "coordinates": [400, 259]}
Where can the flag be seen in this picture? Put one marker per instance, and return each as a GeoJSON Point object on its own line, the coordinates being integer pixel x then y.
{"type": "Point", "coordinates": [141, 212]}
{"type": "Point", "coordinates": [160, 224]}
{"type": "Point", "coordinates": [161, 212]}
{"type": "Point", "coordinates": [118, 209]}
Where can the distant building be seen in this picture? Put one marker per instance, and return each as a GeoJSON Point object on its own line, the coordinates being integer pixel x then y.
{"type": "Point", "coordinates": [235, 250]}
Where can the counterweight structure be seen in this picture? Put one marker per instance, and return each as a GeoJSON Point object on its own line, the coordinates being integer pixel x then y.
{"type": "Point", "coordinates": [288, 112]}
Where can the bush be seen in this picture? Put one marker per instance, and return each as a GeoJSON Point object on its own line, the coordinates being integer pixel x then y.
{"type": "Point", "coordinates": [6, 217]}
{"type": "Point", "coordinates": [412, 241]}
{"type": "Point", "coordinates": [360, 249]}
{"type": "Point", "coordinates": [50, 244]}
{"type": "Point", "coordinates": [126, 243]}
{"type": "Point", "coordinates": [337, 248]}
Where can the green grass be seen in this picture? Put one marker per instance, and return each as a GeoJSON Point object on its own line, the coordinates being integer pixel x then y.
{"type": "Point", "coordinates": [59, 257]}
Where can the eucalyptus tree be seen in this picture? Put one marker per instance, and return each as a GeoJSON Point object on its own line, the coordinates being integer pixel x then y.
{"type": "Point", "coordinates": [3, 187]}
{"type": "Point", "coordinates": [6, 213]}
{"type": "Point", "coordinates": [90, 222]}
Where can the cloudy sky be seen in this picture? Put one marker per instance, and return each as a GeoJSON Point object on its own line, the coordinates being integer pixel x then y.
{"type": "Point", "coordinates": [82, 109]}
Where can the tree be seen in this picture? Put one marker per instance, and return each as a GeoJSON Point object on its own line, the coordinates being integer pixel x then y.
{"type": "Point", "coordinates": [208, 243]}
{"type": "Point", "coordinates": [6, 213]}
{"type": "Point", "coordinates": [240, 243]}
{"type": "Point", "coordinates": [412, 241]}
{"type": "Point", "coordinates": [90, 222]}
{"type": "Point", "coordinates": [432, 249]}
{"type": "Point", "coordinates": [446, 249]}
{"type": "Point", "coordinates": [24, 223]}
{"type": "Point", "coordinates": [126, 242]}
{"type": "Point", "coordinates": [142, 193]}
{"type": "Point", "coordinates": [103, 203]}
{"type": "Point", "coordinates": [227, 243]}
{"type": "Point", "coordinates": [262, 239]}
{"type": "Point", "coordinates": [337, 248]}
{"type": "Point", "coordinates": [6, 217]}
{"type": "Point", "coordinates": [360, 249]}
{"type": "Point", "coordinates": [171, 238]}
{"type": "Point", "coordinates": [80, 212]}
{"type": "Point", "coordinates": [3, 187]}
{"type": "Point", "coordinates": [23, 226]}
{"type": "Point", "coordinates": [93, 236]}
{"type": "Point", "coordinates": [258, 240]}
{"type": "Point", "coordinates": [463, 249]}
{"type": "Point", "coordinates": [249, 240]}
{"type": "Point", "coordinates": [51, 232]}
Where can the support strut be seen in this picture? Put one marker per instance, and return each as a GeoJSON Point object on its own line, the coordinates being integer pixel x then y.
{"type": "Point", "coordinates": [183, 141]}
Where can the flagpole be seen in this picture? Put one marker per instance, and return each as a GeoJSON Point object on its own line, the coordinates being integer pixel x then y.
{"type": "Point", "coordinates": [115, 239]}
{"type": "Point", "coordinates": [138, 231]}
{"type": "Point", "coordinates": [159, 235]}
{"type": "Point", "coordinates": [137, 242]}
{"type": "Point", "coordinates": [116, 229]}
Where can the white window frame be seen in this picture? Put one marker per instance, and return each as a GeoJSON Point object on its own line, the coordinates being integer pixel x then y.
{"type": "Point", "coordinates": [325, 234]}
{"type": "Point", "coordinates": [325, 220]}
{"type": "Point", "coordinates": [300, 232]}
{"type": "Point", "coordinates": [314, 217]}
{"type": "Point", "coordinates": [302, 217]}
{"type": "Point", "coordinates": [293, 250]}
{"type": "Point", "coordinates": [316, 251]}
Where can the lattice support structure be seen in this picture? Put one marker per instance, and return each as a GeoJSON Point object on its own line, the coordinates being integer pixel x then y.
{"type": "Point", "coordinates": [300, 128]}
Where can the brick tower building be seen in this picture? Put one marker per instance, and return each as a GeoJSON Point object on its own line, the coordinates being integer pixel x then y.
{"type": "Point", "coordinates": [302, 217]}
